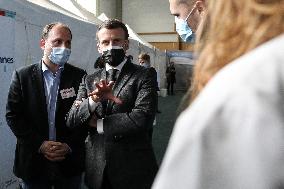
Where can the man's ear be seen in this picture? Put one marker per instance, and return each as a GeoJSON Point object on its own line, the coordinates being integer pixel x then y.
{"type": "Point", "coordinates": [126, 46]}
{"type": "Point", "coordinates": [99, 48]}
{"type": "Point", "coordinates": [42, 44]}
{"type": "Point", "coordinates": [200, 5]}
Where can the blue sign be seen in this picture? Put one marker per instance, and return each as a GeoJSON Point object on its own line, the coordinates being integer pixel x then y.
{"type": "Point", "coordinates": [185, 54]}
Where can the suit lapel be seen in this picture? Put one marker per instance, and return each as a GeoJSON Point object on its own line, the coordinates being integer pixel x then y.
{"type": "Point", "coordinates": [104, 103]}
{"type": "Point", "coordinates": [91, 79]}
{"type": "Point", "coordinates": [37, 79]}
{"type": "Point", "coordinates": [62, 85]}
{"type": "Point", "coordinates": [126, 73]}
{"type": "Point", "coordinates": [103, 74]}
{"type": "Point", "coordinates": [96, 77]}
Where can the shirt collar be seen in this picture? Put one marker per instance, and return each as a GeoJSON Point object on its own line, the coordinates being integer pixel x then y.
{"type": "Point", "coordinates": [119, 67]}
{"type": "Point", "coordinates": [44, 68]}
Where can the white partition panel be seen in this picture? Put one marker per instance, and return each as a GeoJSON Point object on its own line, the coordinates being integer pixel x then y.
{"type": "Point", "coordinates": [7, 65]}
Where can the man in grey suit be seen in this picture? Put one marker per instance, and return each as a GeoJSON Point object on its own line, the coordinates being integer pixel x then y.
{"type": "Point", "coordinates": [119, 110]}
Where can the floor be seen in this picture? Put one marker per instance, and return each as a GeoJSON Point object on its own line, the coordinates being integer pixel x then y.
{"type": "Point", "coordinates": [165, 122]}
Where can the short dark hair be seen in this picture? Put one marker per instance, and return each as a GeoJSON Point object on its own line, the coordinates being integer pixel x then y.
{"type": "Point", "coordinates": [113, 24]}
{"type": "Point", "coordinates": [130, 57]}
{"type": "Point", "coordinates": [48, 27]}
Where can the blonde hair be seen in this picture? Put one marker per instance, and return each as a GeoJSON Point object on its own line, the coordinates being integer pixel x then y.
{"type": "Point", "coordinates": [232, 28]}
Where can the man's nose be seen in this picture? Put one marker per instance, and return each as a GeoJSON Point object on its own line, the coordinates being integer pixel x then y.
{"type": "Point", "coordinates": [111, 44]}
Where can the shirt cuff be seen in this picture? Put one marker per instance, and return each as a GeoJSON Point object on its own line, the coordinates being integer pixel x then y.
{"type": "Point", "coordinates": [91, 104]}
{"type": "Point", "coordinates": [100, 126]}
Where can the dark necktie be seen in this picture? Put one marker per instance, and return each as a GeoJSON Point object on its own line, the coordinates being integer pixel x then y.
{"type": "Point", "coordinates": [112, 75]}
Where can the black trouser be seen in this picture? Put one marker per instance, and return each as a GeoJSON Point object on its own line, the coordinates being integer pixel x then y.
{"type": "Point", "coordinates": [170, 88]}
{"type": "Point", "coordinates": [106, 182]}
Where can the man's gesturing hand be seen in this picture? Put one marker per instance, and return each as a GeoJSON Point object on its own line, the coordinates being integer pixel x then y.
{"type": "Point", "coordinates": [103, 91]}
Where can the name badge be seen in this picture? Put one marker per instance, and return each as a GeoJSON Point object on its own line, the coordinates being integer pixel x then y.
{"type": "Point", "coordinates": [67, 93]}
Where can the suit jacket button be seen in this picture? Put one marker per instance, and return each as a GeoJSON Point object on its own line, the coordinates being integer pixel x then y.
{"type": "Point", "coordinates": [116, 138]}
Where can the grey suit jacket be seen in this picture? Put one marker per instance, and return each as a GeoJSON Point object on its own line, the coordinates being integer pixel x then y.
{"type": "Point", "coordinates": [125, 150]}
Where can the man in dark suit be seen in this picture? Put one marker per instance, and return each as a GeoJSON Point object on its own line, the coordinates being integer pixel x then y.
{"type": "Point", "coordinates": [144, 60]}
{"type": "Point", "coordinates": [171, 78]}
{"type": "Point", "coordinates": [48, 154]}
{"type": "Point", "coordinates": [119, 115]}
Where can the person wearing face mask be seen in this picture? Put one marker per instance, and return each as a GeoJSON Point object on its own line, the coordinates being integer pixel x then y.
{"type": "Point", "coordinates": [171, 78]}
{"type": "Point", "coordinates": [188, 16]}
{"type": "Point", "coordinates": [144, 60]}
{"type": "Point", "coordinates": [117, 104]}
{"type": "Point", "coordinates": [231, 134]}
{"type": "Point", "coordinates": [48, 154]}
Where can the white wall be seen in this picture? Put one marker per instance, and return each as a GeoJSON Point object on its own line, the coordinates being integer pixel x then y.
{"type": "Point", "coordinates": [109, 7]}
{"type": "Point", "coordinates": [6, 68]}
{"type": "Point", "coordinates": [148, 16]}
{"type": "Point", "coordinates": [161, 38]}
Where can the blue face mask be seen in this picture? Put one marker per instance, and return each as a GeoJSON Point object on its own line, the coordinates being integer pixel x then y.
{"type": "Point", "coordinates": [59, 55]}
{"type": "Point", "coordinates": [184, 30]}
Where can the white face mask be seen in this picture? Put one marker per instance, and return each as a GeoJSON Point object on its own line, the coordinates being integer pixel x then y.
{"type": "Point", "coordinates": [183, 28]}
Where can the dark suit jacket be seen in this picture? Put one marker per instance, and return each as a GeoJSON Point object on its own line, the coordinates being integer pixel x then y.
{"type": "Point", "coordinates": [171, 74]}
{"type": "Point", "coordinates": [26, 115]}
{"type": "Point", "coordinates": [125, 150]}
